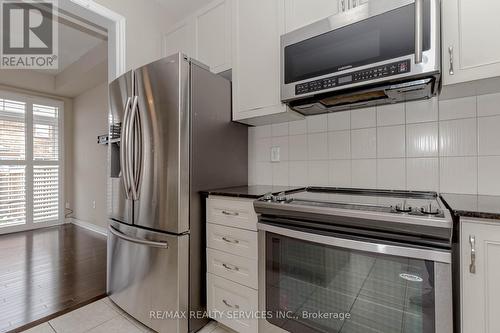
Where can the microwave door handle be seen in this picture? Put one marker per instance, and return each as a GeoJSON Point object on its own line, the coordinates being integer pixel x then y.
{"type": "Point", "coordinates": [124, 148]}
{"type": "Point", "coordinates": [419, 30]}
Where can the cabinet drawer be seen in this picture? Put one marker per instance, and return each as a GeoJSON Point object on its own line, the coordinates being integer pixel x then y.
{"type": "Point", "coordinates": [226, 296]}
{"type": "Point", "coordinates": [235, 268]}
{"type": "Point", "coordinates": [232, 240]}
{"type": "Point", "coordinates": [238, 213]}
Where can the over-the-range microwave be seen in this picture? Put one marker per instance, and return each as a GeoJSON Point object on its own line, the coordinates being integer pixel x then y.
{"type": "Point", "coordinates": [381, 52]}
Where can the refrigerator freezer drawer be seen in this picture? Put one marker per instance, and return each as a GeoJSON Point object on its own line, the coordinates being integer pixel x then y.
{"type": "Point", "coordinates": [148, 272]}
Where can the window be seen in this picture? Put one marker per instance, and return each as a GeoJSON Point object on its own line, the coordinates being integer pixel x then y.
{"type": "Point", "coordinates": [30, 161]}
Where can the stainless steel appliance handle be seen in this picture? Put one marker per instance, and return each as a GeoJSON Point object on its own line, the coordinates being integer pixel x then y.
{"type": "Point", "coordinates": [124, 148]}
{"type": "Point", "coordinates": [138, 146]}
{"type": "Point", "coordinates": [408, 252]}
{"type": "Point", "coordinates": [163, 245]}
{"type": "Point", "coordinates": [130, 148]}
{"type": "Point", "coordinates": [472, 265]}
{"type": "Point", "coordinates": [419, 30]}
{"type": "Point", "coordinates": [450, 52]}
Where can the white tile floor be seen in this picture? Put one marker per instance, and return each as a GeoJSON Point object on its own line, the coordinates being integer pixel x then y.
{"type": "Point", "coordinates": [104, 316]}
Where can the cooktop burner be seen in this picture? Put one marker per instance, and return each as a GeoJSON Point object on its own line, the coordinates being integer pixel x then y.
{"type": "Point", "coordinates": [383, 201]}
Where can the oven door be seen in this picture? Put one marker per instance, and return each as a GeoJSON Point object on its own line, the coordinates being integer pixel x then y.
{"type": "Point", "coordinates": [376, 36]}
{"type": "Point", "coordinates": [316, 283]}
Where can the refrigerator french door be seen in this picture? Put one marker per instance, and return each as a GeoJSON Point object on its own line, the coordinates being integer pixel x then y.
{"type": "Point", "coordinates": [150, 105]}
{"type": "Point", "coordinates": [176, 138]}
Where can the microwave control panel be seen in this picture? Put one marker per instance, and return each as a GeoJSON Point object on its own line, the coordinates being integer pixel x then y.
{"type": "Point", "coordinates": [391, 69]}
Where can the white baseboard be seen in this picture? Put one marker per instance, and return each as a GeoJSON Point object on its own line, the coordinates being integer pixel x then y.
{"type": "Point", "coordinates": [88, 226]}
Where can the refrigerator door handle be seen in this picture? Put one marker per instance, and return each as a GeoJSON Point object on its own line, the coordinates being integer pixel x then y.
{"type": "Point", "coordinates": [163, 245]}
{"type": "Point", "coordinates": [124, 147]}
{"type": "Point", "coordinates": [130, 149]}
{"type": "Point", "coordinates": [138, 145]}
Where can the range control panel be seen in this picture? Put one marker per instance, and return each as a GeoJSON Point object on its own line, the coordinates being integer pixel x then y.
{"type": "Point", "coordinates": [394, 68]}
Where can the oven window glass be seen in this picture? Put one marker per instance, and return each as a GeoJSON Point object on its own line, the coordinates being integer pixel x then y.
{"type": "Point", "coordinates": [382, 37]}
{"type": "Point", "coordinates": [319, 288]}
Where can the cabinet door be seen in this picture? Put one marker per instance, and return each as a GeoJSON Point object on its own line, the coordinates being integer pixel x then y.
{"type": "Point", "coordinates": [299, 13]}
{"type": "Point", "coordinates": [180, 39]}
{"type": "Point", "coordinates": [471, 50]}
{"type": "Point", "coordinates": [480, 297]}
{"type": "Point", "coordinates": [213, 35]}
{"type": "Point", "coordinates": [257, 26]}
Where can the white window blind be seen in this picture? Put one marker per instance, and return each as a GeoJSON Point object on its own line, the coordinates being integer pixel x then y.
{"type": "Point", "coordinates": [30, 160]}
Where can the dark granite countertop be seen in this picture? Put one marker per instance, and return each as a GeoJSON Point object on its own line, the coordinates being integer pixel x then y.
{"type": "Point", "coordinates": [478, 206]}
{"type": "Point", "coordinates": [251, 191]}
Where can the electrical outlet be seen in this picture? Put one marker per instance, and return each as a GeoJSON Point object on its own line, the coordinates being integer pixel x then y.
{"type": "Point", "coordinates": [275, 154]}
{"type": "Point", "coordinates": [93, 204]}
{"type": "Point", "coordinates": [67, 205]}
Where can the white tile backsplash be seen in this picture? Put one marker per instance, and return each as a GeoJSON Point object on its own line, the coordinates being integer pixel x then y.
{"type": "Point", "coordinates": [391, 173]}
{"type": "Point", "coordinates": [488, 105]}
{"type": "Point", "coordinates": [422, 139]}
{"type": "Point", "coordinates": [339, 145]}
{"type": "Point", "coordinates": [457, 108]}
{"type": "Point", "coordinates": [458, 137]}
{"type": "Point", "coordinates": [448, 146]}
{"type": "Point", "coordinates": [364, 173]}
{"type": "Point", "coordinates": [422, 111]}
{"type": "Point", "coordinates": [317, 144]}
{"type": "Point", "coordinates": [391, 141]}
{"type": "Point", "coordinates": [338, 121]}
{"type": "Point", "coordinates": [391, 114]}
{"type": "Point", "coordinates": [489, 135]}
{"type": "Point", "coordinates": [364, 143]}
{"type": "Point", "coordinates": [458, 174]}
{"type": "Point", "coordinates": [488, 174]}
{"type": "Point", "coordinates": [363, 118]}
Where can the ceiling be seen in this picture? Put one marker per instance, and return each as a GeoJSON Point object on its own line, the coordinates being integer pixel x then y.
{"type": "Point", "coordinates": [177, 9]}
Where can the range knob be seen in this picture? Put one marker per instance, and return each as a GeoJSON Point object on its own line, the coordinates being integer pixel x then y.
{"type": "Point", "coordinates": [281, 197]}
{"type": "Point", "coordinates": [403, 207]}
{"type": "Point", "coordinates": [268, 197]}
{"type": "Point", "coordinates": [430, 209]}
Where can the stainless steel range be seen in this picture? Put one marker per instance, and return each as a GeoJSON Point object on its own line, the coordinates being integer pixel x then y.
{"type": "Point", "coordinates": [351, 260]}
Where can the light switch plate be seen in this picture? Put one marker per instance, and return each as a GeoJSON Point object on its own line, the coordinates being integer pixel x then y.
{"type": "Point", "coordinates": [275, 154]}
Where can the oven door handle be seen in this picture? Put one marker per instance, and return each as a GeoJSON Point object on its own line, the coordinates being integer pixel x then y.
{"type": "Point", "coordinates": [400, 251]}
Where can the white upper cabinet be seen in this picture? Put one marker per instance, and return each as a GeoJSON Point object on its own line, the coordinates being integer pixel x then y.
{"type": "Point", "coordinates": [213, 35]}
{"type": "Point", "coordinates": [480, 276]}
{"type": "Point", "coordinates": [299, 13]}
{"type": "Point", "coordinates": [205, 36]}
{"type": "Point", "coordinates": [471, 48]}
{"type": "Point", "coordinates": [179, 39]}
{"type": "Point", "coordinates": [258, 25]}
{"type": "Point", "coordinates": [345, 5]}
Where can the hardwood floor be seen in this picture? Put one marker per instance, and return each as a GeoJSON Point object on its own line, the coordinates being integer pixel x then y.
{"type": "Point", "coordinates": [47, 272]}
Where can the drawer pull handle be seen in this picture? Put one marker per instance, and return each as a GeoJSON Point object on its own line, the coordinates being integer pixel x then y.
{"type": "Point", "coordinates": [225, 212]}
{"type": "Point", "coordinates": [232, 241]}
{"type": "Point", "coordinates": [472, 266]}
{"type": "Point", "coordinates": [236, 306]}
{"type": "Point", "coordinates": [231, 267]}
{"type": "Point", "coordinates": [450, 52]}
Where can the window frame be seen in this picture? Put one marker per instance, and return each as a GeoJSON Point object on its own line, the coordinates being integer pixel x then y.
{"type": "Point", "coordinates": [30, 162]}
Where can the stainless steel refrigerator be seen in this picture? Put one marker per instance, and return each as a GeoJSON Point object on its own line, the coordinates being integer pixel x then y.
{"type": "Point", "coordinates": [171, 136]}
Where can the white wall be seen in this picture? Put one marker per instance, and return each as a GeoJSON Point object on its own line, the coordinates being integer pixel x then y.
{"type": "Point", "coordinates": [90, 117]}
{"type": "Point", "coordinates": [449, 146]}
{"type": "Point", "coordinates": [146, 23]}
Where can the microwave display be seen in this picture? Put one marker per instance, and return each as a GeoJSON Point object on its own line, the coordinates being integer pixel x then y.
{"type": "Point", "coordinates": [389, 35]}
